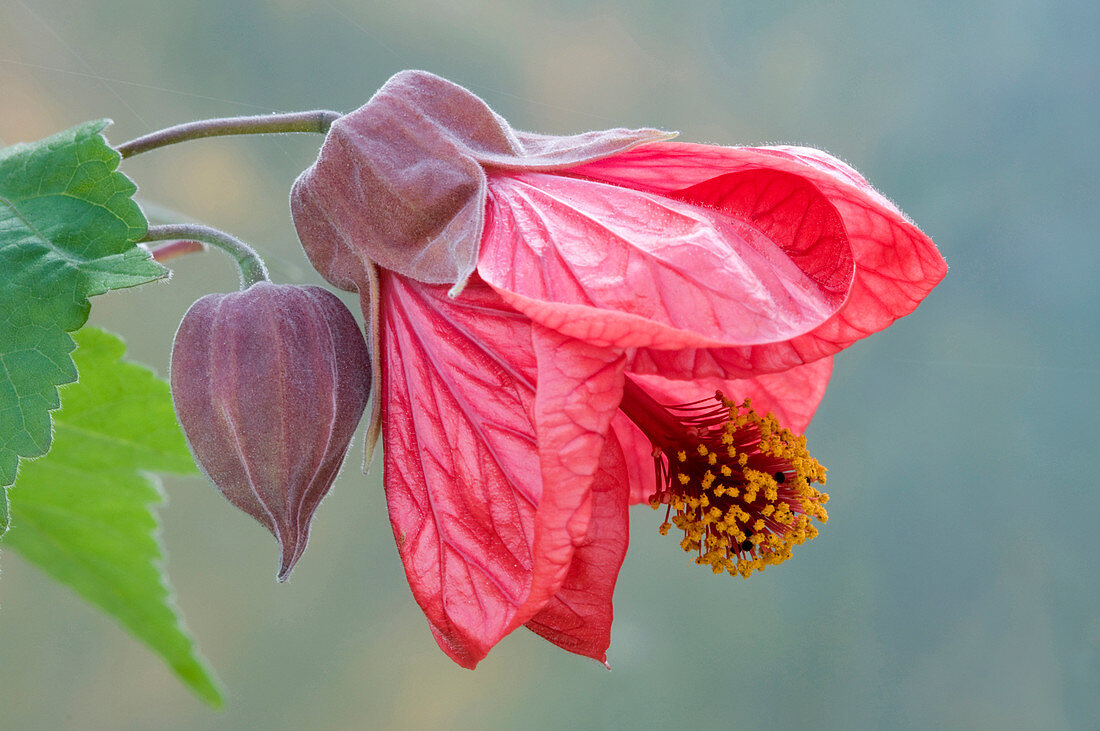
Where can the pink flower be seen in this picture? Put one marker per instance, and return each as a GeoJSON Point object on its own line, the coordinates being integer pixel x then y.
{"type": "Point", "coordinates": [553, 317]}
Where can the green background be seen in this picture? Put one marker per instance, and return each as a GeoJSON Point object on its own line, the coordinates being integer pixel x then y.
{"type": "Point", "coordinates": [954, 585]}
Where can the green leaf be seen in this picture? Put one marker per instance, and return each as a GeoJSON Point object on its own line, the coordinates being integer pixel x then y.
{"type": "Point", "coordinates": [83, 512]}
{"type": "Point", "coordinates": [3, 511]}
{"type": "Point", "coordinates": [68, 227]}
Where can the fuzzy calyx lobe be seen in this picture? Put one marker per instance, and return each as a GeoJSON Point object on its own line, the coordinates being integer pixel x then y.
{"type": "Point", "coordinates": [401, 181]}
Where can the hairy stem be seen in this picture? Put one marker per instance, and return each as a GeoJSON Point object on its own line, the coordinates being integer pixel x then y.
{"type": "Point", "coordinates": [251, 265]}
{"type": "Point", "coordinates": [316, 121]}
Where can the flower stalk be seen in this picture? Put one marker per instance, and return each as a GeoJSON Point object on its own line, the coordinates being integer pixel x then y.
{"type": "Point", "coordinates": [252, 268]}
{"type": "Point", "coordinates": [317, 121]}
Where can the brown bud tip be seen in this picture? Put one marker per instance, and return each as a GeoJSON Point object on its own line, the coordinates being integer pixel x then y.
{"type": "Point", "coordinates": [269, 385]}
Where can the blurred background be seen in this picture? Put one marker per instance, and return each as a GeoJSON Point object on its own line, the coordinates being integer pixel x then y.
{"type": "Point", "coordinates": [955, 584]}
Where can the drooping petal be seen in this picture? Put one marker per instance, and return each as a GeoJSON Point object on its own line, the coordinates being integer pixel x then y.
{"type": "Point", "coordinates": [896, 265]}
{"type": "Point", "coordinates": [578, 618]}
{"type": "Point", "coordinates": [792, 396]}
{"type": "Point", "coordinates": [489, 484]}
{"type": "Point", "coordinates": [461, 459]}
{"type": "Point", "coordinates": [638, 453]}
{"type": "Point", "coordinates": [579, 390]}
{"type": "Point", "coordinates": [623, 268]}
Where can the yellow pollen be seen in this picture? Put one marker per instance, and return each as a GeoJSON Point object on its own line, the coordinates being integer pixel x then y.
{"type": "Point", "coordinates": [742, 492]}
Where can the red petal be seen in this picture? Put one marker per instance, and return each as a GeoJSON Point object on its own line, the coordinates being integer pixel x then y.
{"type": "Point", "coordinates": [621, 268]}
{"type": "Point", "coordinates": [461, 462]}
{"type": "Point", "coordinates": [896, 264]}
{"type": "Point", "coordinates": [578, 618]}
{"type": "Point", "coordinates": [792, 395]}
{"type": "Point", "coordinates": [485, 544]}
{"type": "Point", "coordinates": [638, 454]}
{"type": "Point", "coordinates": [579, 390]}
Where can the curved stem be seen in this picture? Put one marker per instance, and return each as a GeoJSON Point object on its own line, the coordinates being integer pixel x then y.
{"type": "Point", "coordinates": [316, 121]}
{"type": "Point", "coordinates": [251, 265]}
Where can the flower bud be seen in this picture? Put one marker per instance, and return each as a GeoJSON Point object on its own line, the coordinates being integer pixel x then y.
{"type": "Point", "coordinates": [269, 385]}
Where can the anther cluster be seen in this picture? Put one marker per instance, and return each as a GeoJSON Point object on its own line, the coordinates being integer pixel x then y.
{"type": "Point", "coordinates": [739, 486]}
